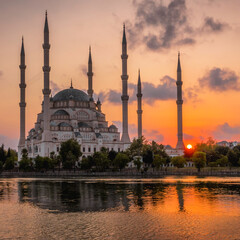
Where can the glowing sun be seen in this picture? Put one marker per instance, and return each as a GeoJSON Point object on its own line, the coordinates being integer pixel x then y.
{"type": "Point", "coordinates": [189, 146]}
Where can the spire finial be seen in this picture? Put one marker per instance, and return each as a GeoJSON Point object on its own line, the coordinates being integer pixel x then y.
{"type": "Point", "coordinates": [124, 41]}
{"type": "Point", "coordinates": [90, 55]}
{"type": "Point", "coordinates": [71, 84]}
{"type": "Point", "coordinates": [179, 64]}
{"type": "Point", "coordinates": [46, 23]}
{"type": "Point", "coordinates": [22, 48]}
{"type": "Point", "coordinates": [139, 78]}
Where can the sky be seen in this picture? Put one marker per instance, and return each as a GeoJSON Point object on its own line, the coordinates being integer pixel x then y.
{"type": "Point", "coordinates": [206, 32]}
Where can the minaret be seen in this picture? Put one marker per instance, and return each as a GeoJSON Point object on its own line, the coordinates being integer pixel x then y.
{"type": "Point", "coordinates": [180, 144]}
{"type": "Point", "coordinates": [125, 97]}
{"type": "Point", "coordinates": [46, 90]}
{"type": "Point", "coordinates": [90, 75]}
{"type": "Point", "coordinates": [22, 103]}
{"type": "Point", "coordinates": [139, 101]}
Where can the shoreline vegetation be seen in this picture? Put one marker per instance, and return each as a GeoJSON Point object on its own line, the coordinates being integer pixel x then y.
{"type": "Point", "coordinates": [141, 159]}
{"type": "Point", "coordinates": [151, 173]}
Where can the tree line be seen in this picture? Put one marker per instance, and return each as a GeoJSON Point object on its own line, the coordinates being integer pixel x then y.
{"type": "Point", "coordinates": [142, 153]}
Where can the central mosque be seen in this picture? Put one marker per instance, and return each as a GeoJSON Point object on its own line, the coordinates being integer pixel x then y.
{"type": "Point", "coordinates": [73, 114]}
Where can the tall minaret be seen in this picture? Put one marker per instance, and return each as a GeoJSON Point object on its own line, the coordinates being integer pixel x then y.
{"type": "Point", "coordinates": [22, 103]}
{"type": "Point", "coordinates": [139, 110]}
{"type": "Point", "coordinates": [125, 97]}
{"type": "Point", "coordinates": [90, 75]}
{"type": "Point", "coordinates": [46, 90]}
{"type": "Point", "coordinates": [180, 144]}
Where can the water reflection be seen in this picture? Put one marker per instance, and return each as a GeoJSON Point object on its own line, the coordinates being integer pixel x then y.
{"type": "Point", "coordinates": [75, 195]}
{"type": "Point", "coordinates": [196, 209]}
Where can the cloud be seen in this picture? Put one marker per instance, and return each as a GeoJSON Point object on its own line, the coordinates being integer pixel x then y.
{"type": "Point", "coordinates": [220, 80]}
{"type": "Point", "coordinates": [83, 69]}
{"type": "Point", "coordinates": [165, 90]}
{"type": "Point", "coordinates": [188, 136]}
{"type": "Point", "coordinates": [150, 134]}
{"type": "Point", "coordinates": [159, 26]}
{"type": "Point", "coordinates": [1, 73]}
{"type": "Point", "coordinates": [226, 132]}
{"type": "Point", "coordinates": [212, 25]}
{"type": "Point", "coordinates": [8, 142]}
{"type": "Point", "coordinates": [55, 88]}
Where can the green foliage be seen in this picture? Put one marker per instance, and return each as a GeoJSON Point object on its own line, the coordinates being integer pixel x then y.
{"type": "Point", "coordinates": [111, 155]}
{"type": "Point", "coordinates": [24, 153]}
{"type": "Point", "coordinates": [136, 147]}
{"type": "Point", "coordinates": [158, 161]}
{"type": "Point", "coordinates": [86, 163]}
{"type": "Point", "coordinates": [10, 162]}
{"type": "Point", "coordinates": [233, 158]}
{"type": "Point", "coordinates": [121, 161]}
{"type": "Point", "coordinates": [25, 164]}
{"type": "Point", "coordinates": [138, 163]}
{"type": "Point", "coordinates": [223, 161]}
{"type": "Point", "coordinates": [199, 159]}
{"type": "Point", "coordinates": [222, 150]}
{"type": "Point", "coordinates": [205, 147]}
{"type": "Point", "coordinates": [148, 156]}
{"type": "Point", "coordinates": [1, 165]}
{"type": "Point", "coordinates": [178, 161]}
{"type": "Point", "coordinates": [3, 155]}
{"type": "Point", "coordinates": [101, 161]}
{"type": "Point", "coordinates": [70, 153]}
{"type": "Point", "coordinates": [43, 163]}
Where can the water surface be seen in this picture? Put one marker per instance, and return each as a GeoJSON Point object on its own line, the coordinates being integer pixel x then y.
{"type": "Point", "coordinates": [168, 208]}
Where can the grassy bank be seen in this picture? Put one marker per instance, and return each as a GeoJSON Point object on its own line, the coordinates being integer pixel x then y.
{"type": "Point", "coordinates": [234, 172]}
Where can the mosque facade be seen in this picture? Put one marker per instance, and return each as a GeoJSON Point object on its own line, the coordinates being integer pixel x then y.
{"type": "Point", "coordinates": [71, 113]}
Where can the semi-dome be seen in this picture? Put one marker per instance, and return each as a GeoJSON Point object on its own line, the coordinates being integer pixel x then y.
{"type": "Point", "coordinates": [71, 94]}
{"type": "Point", "coordinates": [112, 127]}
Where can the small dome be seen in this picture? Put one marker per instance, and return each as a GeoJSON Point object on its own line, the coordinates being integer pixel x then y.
{"type": "Point", "coordinates": [71, 94]}
{"type": "Point", "coordinates": [60, 113]}
{"type": "Point", "coordinates": [112, 127]}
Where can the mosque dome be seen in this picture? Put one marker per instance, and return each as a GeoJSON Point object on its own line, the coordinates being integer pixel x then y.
{"type": "Point", "coordinates": [71, 94]}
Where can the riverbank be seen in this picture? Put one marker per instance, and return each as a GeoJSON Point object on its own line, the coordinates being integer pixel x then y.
{"type": "Point", "coordinates": [126, 173]}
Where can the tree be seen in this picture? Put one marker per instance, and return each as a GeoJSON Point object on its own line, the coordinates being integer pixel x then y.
{"type": "Point", "coordinates": [158, 161]}
{"type": "Point", "coordinates": [233, 158]}
{"type": "Point", "coordinates": [10, 163]}
{"type": "Point", "coordinates": [148, 156]}
{"type": "Point", "coordinates": [222, 150]}
{"type": "Point", "coordinates": [25, 163]}
{"type": "Point", "coordinates": [2, 154]}
{"type": "Point", "coordinates": [199, 159]}
{"type": "Point", "coordinates": [86, 163]}
{"type": "Point", "coordinates": [136, 147]}
{"type": "Point", "coordinates": [39, 163]}
{"type": "Point", "coordinates": [223, 161]}
{"type": "Point", "coordinates": [1, 165]}
{"type": "Point", "coordinates": [137, 162]}
{"type": "Point", "coordinates": [101, 161]}
{"type": "Point", "coordinates": [111, 155]}
{"type": "Point", "coordinates": [70, 153]}
{"type": "Point", "coordinates": [121, 161]}
{"type": "Point", "coordinates": [178, 161]}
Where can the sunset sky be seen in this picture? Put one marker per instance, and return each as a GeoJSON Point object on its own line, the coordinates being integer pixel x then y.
{"type": "Point", "coordinates": [206, 32]}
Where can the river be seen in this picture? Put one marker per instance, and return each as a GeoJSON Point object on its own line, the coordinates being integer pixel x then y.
{"type": "Point", "coordinates": [165, 208]}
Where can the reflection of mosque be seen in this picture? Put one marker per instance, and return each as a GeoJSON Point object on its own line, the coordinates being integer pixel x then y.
{"type": "Point", "coordinates": [74, 195]}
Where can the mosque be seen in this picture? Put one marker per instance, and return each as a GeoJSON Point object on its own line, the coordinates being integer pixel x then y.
{"type": "Point", "coordinates": [74, 114]}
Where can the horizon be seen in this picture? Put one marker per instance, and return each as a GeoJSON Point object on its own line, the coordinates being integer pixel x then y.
{"type": "Point", "coordinates": [210, 67]}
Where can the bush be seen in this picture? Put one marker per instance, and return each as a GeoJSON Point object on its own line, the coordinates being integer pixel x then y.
{"type": "Point", "coordinates": [25, 164]}
{"type": "Point", "coordinates": [178, 161]}
{"type": "Point", "coordinates": [9, 164]}
{"type": "Point", "coordinates": [121, 161]}
{"type": "Point", "coordinates": [199, 159]}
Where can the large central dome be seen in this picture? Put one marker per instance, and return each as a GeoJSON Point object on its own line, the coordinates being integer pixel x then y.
{"type": "Point", "coordinates": [71, 94]}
